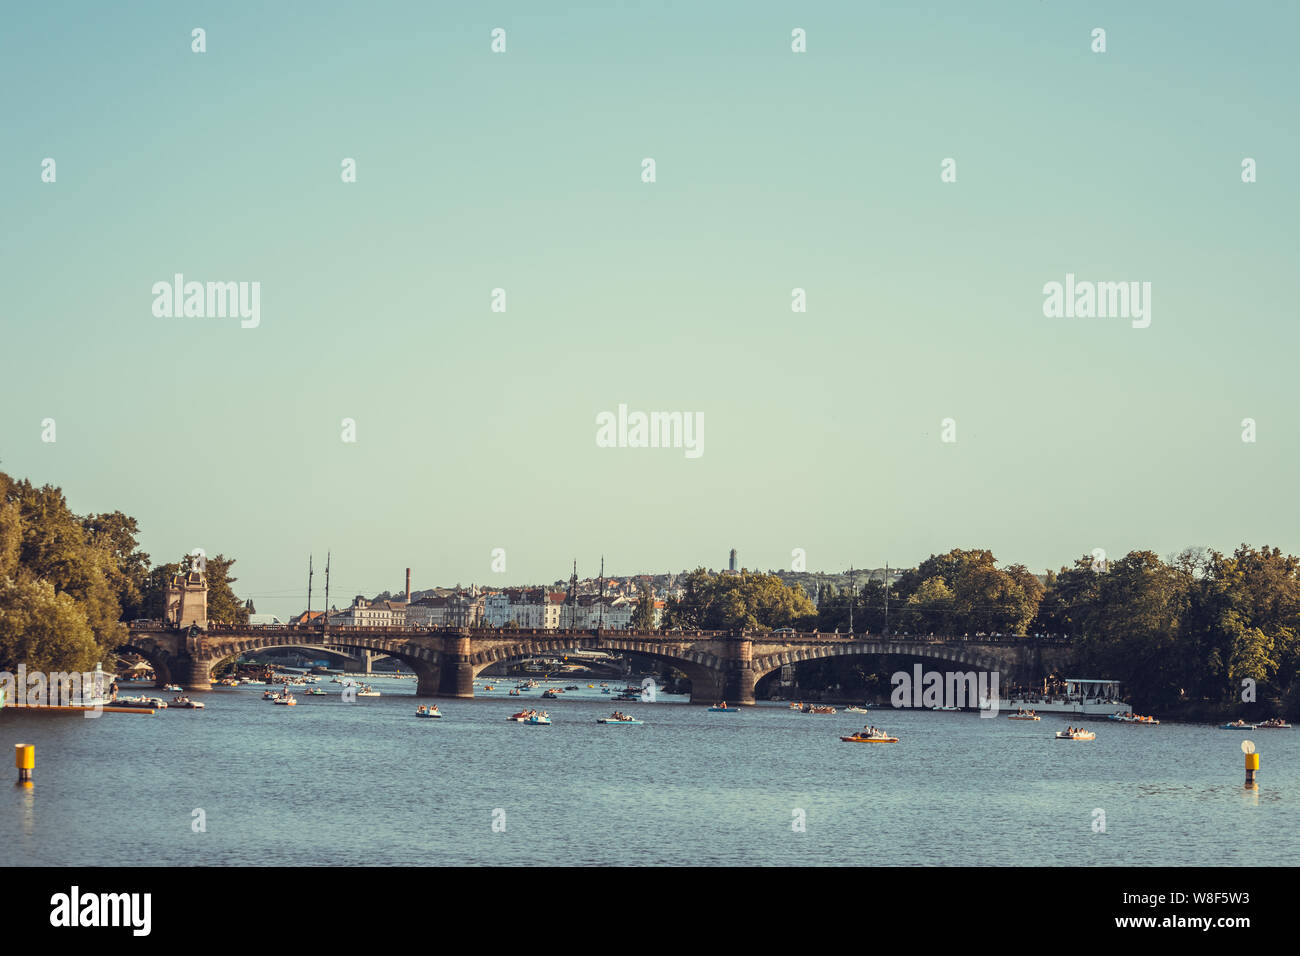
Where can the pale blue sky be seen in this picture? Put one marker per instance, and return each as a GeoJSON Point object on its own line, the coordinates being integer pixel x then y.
{"type": "Point", "coordinates": [775, 170]}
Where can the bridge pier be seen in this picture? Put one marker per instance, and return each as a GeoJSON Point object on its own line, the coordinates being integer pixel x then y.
{"type": "Point", "coordinates": [456, 673]}
{"type": "Point", "coordinates": [193, 674]}
{"type": "Point", "coordinates": [733, 682]}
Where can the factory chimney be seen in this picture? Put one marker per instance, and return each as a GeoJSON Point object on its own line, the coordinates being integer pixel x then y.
{"type": "Point", "coordinates": [408, 585]}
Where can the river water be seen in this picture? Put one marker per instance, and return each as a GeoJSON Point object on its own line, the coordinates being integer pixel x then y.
{"type": "Point", "coordinates": [335, 783]}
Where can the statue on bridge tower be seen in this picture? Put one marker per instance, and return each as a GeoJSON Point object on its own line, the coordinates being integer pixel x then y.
{"type": "Point", "coordinates": [187, 600]}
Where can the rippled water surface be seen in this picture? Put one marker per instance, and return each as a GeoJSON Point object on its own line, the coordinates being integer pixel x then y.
{"type": "Point", "coordinates": [329, 782]}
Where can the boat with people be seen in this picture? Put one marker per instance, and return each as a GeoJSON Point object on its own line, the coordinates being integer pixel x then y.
{"type": "Point", "coordinates": [1273, 723]}
{"type": "Point", "coordinates": [538, 720]}
{"type": "Point", "coordinates": [287, 700]}
{"type": "Point", "coordinates": [550, 694]}
{"type": "Point", "coordinates": [184, 703]}
{"type": "Point", "coordinates": [947, 708]}
{"type": "Point", "coordinates": [869, 735]}
{"type": "Point", "coordinates": [156, 702]}
{"type": "Point", "coordinates": [176, 688]}
{"type": "Point", "coordinates": [618, 718]}
{"type": "Point", "coordinates": [819, 709]}
{"type": "Point", "coordinates": [796, 705]}
{"type": "Point", "coordinates": [315, 692]}
{"type": "Point", "coordinates": [1075, 733]}
{"type": "Point", "coordinates": [1237, 725]}
{"type": "Point", "coordinates": [722, 708]}
{"type": "Point", "coordinates": [367, 691]}
{"type": "Point", "coordinates": [1023, 714]}
{"type": "Point", "coordinates": [429, 711]}
{"type": "Point", "coordinates": [855, 709]}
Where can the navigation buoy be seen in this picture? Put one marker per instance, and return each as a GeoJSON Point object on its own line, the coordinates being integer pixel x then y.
{"type": "Point", "coordinates": [25, 761]}
{"type": "Point", "coordinates": [1252, 763]}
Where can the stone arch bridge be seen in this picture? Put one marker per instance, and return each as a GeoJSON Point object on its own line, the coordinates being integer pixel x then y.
{"type": "Point", "coordinates": [721, 665]}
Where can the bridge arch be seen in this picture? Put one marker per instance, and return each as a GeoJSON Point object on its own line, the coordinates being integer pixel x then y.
{"type": "Point", "coordinates": [963, 657]}
{"type": "Point", "coordinates": [703, 670]}
{"type": "Point", "coordinates": [423, 660]}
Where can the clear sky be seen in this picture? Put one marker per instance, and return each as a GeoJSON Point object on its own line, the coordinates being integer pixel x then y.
{"type": "Point", "coordinates": [775, 170]}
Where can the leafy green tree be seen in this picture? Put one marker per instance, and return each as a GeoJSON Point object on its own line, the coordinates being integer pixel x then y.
{"type": "Point", "coordinates": [44, 629]}
{"type": "Point", "coordinates": [734, 601]}
{"type": "Point", "coordinates": [643, 618]}
{"type": "Point", "coordinates": [930, 607]}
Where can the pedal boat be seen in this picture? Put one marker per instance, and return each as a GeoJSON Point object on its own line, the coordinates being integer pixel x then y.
{"type": "Point", "coordinates": [861, 738]}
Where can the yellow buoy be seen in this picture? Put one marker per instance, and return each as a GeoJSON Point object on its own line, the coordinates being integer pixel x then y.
{"type": "Point", "coordinates": [1252, 762]}
{"type": "Point", "coordinates": [25, 761]}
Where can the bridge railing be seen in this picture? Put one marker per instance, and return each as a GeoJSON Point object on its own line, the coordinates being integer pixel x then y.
{"type": "Point", "coordinates": [781, 636]}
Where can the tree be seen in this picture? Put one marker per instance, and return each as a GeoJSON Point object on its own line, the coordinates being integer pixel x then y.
{"type": "Point", "coordinates": [45, 630]}
{"type": "Point", "coordinates": [643, 618]}
{"type": "Point", "coordinates": [930, 607]}
{"type": "Point", "coordinates": [734, 601]}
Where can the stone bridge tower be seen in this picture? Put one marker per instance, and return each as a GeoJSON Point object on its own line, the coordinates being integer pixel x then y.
{"type": "Point", "coordinates": [187, 600]}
